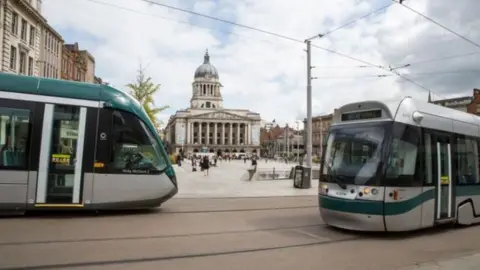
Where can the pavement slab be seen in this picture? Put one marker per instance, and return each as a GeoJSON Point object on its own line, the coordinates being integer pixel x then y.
{"type": "Point", "coordinates": [228, 180]}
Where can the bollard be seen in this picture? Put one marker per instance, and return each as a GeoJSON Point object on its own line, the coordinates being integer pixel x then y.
{"type": "Point", "coordinates": [273, 173]}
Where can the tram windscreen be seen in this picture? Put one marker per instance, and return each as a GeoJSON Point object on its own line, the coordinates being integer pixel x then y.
{"type": "Point", "coordinates": [353, 154]}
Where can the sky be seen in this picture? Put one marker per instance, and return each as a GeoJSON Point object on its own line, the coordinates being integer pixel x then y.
{"type": "Point", "coordinates": [267, 74]}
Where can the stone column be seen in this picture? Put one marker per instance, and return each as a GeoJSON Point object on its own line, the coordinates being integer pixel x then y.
{"type": "Point", "coordinates": [247, 137]}
{"type": "Point", "coordinates": [200, 133]}
{"type": "Point", "coordinates": [187, 132]}
{"type": "Point", "coordinates": [207, 134]}
{"type": "Point", "coordinates": [230, 137]}
{"type": "Point", "coordinates": [215, 130]}
{"type": "Point", "coordinates": [238, 133]}
{"type": "Point", "coordinates": [223, 134]}
{"type": "Point", "coordinates": [192, 129]}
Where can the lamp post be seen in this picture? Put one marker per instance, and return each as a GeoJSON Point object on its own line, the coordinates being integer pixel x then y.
{"type": "Point", "coordinates": [308, 127]}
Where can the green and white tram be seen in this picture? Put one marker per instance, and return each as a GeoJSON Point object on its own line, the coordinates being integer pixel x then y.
{"type": "Point", "coordinates": [399, 166]}
{"type": "Point", "coordinates": [71, 145]}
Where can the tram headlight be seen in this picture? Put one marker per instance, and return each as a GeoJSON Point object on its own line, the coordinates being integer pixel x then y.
{"type": "Point", "coordinates": [366, 190]}
{"type": "Point", "coordinates": [374, 191]}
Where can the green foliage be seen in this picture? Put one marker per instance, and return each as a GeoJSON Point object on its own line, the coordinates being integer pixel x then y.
{"type": "Point", "coordinates": [143, 90]}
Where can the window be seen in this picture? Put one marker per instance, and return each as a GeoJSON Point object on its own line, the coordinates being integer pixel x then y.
{"type": "Point", "coordinates": [402, 162]}
{"type": "Point", "coordinates": [23, 62]}
{"type": "Point", "coordinates": [30, 66]}
{"type": "Point", "coordinates": [466, 160]}
{"type": "Point", "coordinates": [353, 154]}
{"type": "Point", "coordinates": [14, 137]}
{"type": "Point", "coordinates": [14, 25]}
{"type": "Point", "coordinates": [13, 58]}
{"type": "Point", "coordinates": [32, 35]}
{"type": "Point", "coordinates": [135, 149]}
{"type": "Point", "coordinates": [23, 33]}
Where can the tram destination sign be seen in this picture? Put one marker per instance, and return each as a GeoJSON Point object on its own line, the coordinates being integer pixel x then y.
{"type": "Point", "coordinates": [372, 114]}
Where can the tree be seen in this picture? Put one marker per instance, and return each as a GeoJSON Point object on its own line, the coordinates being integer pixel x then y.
{"type": "Point", "coordinates": [143, 90]}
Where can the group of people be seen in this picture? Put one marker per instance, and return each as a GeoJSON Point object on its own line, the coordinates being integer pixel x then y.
{"type": "Point", "coordinates": [204, 163]}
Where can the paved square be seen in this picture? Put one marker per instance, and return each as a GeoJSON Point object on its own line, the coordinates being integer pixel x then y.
{"type": "Point", "coordinates": [229, 179]}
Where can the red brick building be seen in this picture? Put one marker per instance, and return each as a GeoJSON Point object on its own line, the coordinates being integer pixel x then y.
{"type": "Point", "coordinates": [74, 66]}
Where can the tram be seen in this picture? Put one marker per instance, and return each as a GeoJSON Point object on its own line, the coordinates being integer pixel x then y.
{"type": "Point", "coordinates": [399, 166]}
{"type": "Point", "coordinates": [72, 145]}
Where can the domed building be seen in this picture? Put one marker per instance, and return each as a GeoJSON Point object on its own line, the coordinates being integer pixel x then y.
{"type": "Point", "coordinates": [206, 126]}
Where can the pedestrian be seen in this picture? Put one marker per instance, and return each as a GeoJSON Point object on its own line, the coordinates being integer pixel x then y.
{"type": "Point", "coordinates": [205, 165]}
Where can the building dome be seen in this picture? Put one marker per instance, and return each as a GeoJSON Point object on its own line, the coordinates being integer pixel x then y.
{"type": "Point", "coordinates": [206, 70]}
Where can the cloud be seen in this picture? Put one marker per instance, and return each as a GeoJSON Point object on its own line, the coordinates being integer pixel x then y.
{"type": "Point", "coordinates": [267, 74]}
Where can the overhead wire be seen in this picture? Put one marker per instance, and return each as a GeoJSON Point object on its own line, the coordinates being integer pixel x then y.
{"type": "Point", "coordinates": [276, 34]}
{"type": "Point", "coordinates": [176, 21]}
{"type": "Point", "coordinates": [410, 74]}
{"type": "Point", "coordinates": [358, 19]}
{"type": "Point", "coordinates": [222, 20]}
{"type": "Point", "coordinates": [439, 59]}
{"type": "Point", "coordinates": [439, 24]}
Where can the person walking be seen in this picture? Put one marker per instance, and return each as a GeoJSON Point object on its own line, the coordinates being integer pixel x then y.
{"type": "Point", "coordinates": [205, 165]}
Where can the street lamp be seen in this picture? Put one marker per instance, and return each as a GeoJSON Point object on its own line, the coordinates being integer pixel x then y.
{"type": "Point", "coordinates": [308, 127]}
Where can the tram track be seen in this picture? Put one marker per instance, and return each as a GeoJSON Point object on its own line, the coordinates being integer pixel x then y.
{"type": "Point", "coordinates": [163, 236]}
{"type": "Point", "coordinates": [166, 211]}
{"type": "Point", "coordinates": [160, 211]}
{"type": "Point", "coordinates": [178, 257]}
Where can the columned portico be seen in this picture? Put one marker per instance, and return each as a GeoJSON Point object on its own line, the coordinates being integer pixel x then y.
{"type": "Point", "coordinates": [211, 133]}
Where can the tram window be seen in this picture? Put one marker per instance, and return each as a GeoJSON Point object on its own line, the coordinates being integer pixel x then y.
{"type": "Point", "coordinates": [135, 149]}
{"type": "Point", "coordinates": [402, 163]}
{"type": "Point", "coordinates": [428, 180]}
{"type": "Point", "coordinates": [466, 158]}
{"type": "Point", "coordinates": [14, 137]}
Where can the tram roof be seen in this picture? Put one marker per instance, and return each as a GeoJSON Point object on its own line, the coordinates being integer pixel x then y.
{"type": "Point", "coordinates": [397, 108]}
{"type": "Point", "coordinates": [115, 98]}
{"type": "Point", "coordinates": [66, 89]}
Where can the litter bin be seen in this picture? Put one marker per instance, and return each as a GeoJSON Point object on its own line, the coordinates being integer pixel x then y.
{"type": "Point", "coordinates": [302, 177]}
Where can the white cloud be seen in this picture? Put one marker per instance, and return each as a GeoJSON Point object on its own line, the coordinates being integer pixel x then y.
{"type": "Point", "coordinates": [268, 74]}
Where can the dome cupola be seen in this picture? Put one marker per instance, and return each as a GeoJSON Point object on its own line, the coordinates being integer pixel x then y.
{"type": "Point", "coordinates": [206, 70]}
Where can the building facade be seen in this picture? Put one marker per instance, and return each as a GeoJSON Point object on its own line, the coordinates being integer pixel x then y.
{"type": "Point", "coordinates": [51, 45]}
{"type": "Point", "coordinates": [20, 34]}
{"type": "Point", "coordinates": [470, 104]}
{"type": "Point", "coordinates": [206, 126]}
{"type": "Point", "coordinates": [77, 65]}
{"type": "Point", "coordinates": [320, 126]}
{"type": "Point", "coordinates": [90, 62]}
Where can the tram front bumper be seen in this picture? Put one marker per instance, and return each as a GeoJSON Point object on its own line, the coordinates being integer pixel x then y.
{"type": "Point", "coordinates": [350, 214]}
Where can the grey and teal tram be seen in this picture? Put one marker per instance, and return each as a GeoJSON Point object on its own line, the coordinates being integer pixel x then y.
{"type": "Point", "coordinates": [71, 145]}
{"type": "Point", "coordinates": [400, 165]}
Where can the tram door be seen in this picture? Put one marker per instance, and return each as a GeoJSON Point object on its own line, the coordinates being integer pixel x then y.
{"type": "Point", "coordinates": [60, 170]}
{"type": "Point", "coordinates": [442, 161]}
